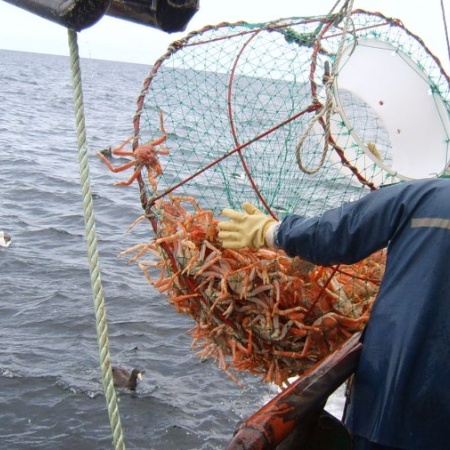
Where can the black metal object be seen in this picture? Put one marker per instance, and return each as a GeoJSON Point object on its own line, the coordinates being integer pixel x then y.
{"type": "Point", "coordinates": [167, 15]}
{"type": "Point", "coordinates": [73, 14]}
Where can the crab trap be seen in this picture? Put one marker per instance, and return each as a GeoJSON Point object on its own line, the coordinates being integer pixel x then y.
{"type": "Point", "coordinates": [295, 116]}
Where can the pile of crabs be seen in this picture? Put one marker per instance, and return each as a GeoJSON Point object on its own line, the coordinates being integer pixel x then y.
{"type": "Point", "coordinates": [254, 310]}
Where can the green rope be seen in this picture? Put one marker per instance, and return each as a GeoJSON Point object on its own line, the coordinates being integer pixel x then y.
{"type": "Point", "coordinates": [99, 304]}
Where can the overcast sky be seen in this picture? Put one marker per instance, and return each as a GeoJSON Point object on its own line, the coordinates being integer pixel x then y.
{"type": "Point", "coordinates": [120, 40]}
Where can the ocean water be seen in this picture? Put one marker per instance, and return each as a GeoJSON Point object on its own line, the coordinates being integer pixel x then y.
{"type": "Point", "coordinates": [50, 380]}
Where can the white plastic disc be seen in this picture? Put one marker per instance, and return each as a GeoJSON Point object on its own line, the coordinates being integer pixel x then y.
{"type": "Point", "coordinates": [399, 94]}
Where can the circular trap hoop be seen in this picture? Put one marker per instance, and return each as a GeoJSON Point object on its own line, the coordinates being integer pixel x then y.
{"type": "Point", "coordinates": [238, 103]}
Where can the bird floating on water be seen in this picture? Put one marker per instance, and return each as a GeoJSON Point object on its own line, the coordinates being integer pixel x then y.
{"type": "Point", "coordinates": [125, 379]}
{"type": "Point", "coordinates": [5, 239]}
{"type": "Point", "coordinates": [107, 152]}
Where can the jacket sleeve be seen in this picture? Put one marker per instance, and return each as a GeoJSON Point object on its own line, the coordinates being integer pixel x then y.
{"type": "Point", "coordinates": [349, 233]}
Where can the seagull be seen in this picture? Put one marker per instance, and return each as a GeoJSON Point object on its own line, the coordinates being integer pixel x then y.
{"type": "Point", "coordinates": [5, 239]}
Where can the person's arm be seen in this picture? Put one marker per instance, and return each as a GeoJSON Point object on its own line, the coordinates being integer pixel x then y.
{"type": "Point", "coordinates": [342, 235]}
{"type": "Point", "coordinates": [346, 234]}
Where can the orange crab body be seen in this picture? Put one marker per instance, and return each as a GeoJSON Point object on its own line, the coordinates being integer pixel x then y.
{"type": "Point", "coordinates": [145, 155]}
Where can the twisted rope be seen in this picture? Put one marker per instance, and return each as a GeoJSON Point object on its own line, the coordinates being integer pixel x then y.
{"type": "Point", "coordinates": [99, 304]}
{"type": "Point", "coordinates": [445, 28]}
{"type": "Point", "coordinates": [326, 109]}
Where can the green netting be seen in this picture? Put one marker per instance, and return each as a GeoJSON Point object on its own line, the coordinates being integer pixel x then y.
{"type": "Point", "coordinates": [278, 114]}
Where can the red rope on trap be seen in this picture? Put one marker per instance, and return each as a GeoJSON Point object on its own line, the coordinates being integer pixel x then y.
{"type": "Point", "coordinates": [151, 201]}
{"type": "Point", "coordinates": [233, 128]}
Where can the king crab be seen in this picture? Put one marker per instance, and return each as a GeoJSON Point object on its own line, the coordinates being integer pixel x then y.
{"type": "Point", "coordinates": [145, 155]}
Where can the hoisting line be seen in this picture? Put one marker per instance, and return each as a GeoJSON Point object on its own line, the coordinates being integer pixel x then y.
{"type": "Point", "coordinates": [91, 241]}
{"type": "Point", "coordinates": [445, 28]}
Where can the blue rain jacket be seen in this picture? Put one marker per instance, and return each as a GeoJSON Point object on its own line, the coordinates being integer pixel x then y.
{"type": "Point", "coordinates": [401, 393]}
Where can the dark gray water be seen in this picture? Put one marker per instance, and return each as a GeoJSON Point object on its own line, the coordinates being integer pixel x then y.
{"type": "Point", "coordinates": [50, 381]}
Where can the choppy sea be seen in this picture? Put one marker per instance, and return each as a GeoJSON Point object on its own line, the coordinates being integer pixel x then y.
{"type": "Point", "coordinates": [50, 380]}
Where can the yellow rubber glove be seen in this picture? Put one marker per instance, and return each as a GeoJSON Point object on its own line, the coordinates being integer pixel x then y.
{"type": "Point", "coordinates": [246, 229]}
